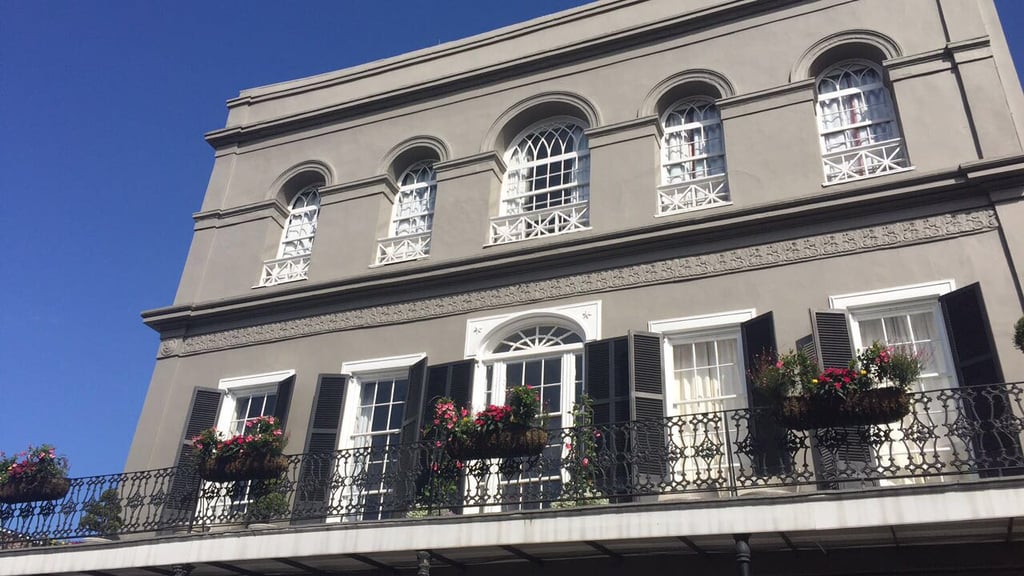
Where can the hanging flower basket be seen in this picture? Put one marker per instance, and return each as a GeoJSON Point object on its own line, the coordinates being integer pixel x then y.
{"type": "Point", "coordinates": [38, 489]}
{"type": "Point", "coordinates": [511, 442]}
{"type": "Point", "coordinates": [239, 467]}
{"type": "Point", "coordinates": [874, 406]}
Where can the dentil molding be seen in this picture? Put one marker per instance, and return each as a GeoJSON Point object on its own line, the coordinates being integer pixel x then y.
{"type": "Point", "coordinates": [762, 256]}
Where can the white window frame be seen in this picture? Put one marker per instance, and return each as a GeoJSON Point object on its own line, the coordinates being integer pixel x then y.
{"type": "Point", "coordinates": [240, 386]}
{"type": "Point", "coordinates": [886, 156]}
{"type": "Point", "coordinates": [358, 372]}
{"type": "Point", "coordinates": [690, 329]}
{"type": "Point", "coordinates": [290, 264]}
{"type": "Point", "coordinates": [899, 300]}
{"type": "Point", "coordinates": [513, 223]}
{"type": "Point", "coordinates": [690, 193]}
{"type": "Point", "coordinates": [874, 304]}
{"type": "Point", "coordinates": [410, 245]}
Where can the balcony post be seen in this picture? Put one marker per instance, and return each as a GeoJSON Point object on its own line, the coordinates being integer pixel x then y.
{"type": "Point", "coordinates": [423, 562]}
{"type": "Point", "coordinates": [182, 569]}
{"type": "Point", "coordinates": [742, 554]}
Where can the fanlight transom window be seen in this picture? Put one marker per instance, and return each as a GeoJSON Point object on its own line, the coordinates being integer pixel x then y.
{"type": "Point", "coordinates": [693, 146]}
{"type": "Point", "coordinates": [857, 121]}
{"type": "Point", "coordinates": [537, 338]}
{"type": "Point", "coordinates": [414, 205]}
{"type": "Point", "coordinates": [297, 237]}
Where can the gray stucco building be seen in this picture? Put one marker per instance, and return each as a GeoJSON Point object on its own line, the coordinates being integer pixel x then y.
{"type": "Point", "coordinates": [632, 199]}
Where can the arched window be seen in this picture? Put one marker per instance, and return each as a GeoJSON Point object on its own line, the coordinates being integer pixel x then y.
{"type": "Point", "coordinates": [860, 134]}
{"type": "Point", "coordinates": [549, 358]}
{"type": "Point", "coordinates": [293, 254]}
{"type": "Point", "coordinates": [692, 157]}
{"type": "Point", "coordinates": [411, 217]}
{"type": "Point", "coordinates": [546, 186]}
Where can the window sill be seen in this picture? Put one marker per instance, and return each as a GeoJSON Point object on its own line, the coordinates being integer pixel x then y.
{"type": "Point", "coordinates": [393, 262]}
{"type": "Point", "coordinates": [694, 209]}
{"type": "Point", "coordinates": [552, 235]}
{"type": "Point", "coordinates": [289, 281]}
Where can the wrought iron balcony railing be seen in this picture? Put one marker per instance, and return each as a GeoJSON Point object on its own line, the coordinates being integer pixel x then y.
{"type": "Point", "coordinates": [950, 435]}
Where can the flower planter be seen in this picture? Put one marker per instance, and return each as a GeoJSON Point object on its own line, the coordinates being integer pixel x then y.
{"type": "Point", "coordinates": [875, 406]}
{"type": "Point", "coordinates": [244, 467]}
{"type": "Point", "coordinates": [39, 489]}
{"type": "Point", "coordinates": [512, 442]}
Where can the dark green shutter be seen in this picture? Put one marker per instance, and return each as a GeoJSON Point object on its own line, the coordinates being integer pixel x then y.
{"type": "Point", "coordinates": [647, 410]}
{"type": "Point", "coordinates": [768, 447]}
{"type": "Point", "coordinates": [284, 400]}
{"type": "Point", "coordinates": [996, 446]}
{"type": "Point", "coordinates": [409, 454]}
{"type": "Point", "coordinates": [453, 380]}
{"type": "Point", "coordinates": [606, 381]}
{"type": "Point", "coordinates": [184, 488]}
{"type": "Point", "coordinates": [313, 492]}
{"type": "Point", "coordinates": [842, 445]}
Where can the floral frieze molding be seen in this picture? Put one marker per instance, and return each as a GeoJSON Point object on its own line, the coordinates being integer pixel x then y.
{"type": "Point", "coordinates": [889, 235]}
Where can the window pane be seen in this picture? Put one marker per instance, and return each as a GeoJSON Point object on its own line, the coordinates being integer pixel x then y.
{"type": "Point", "coordinates": [533, 373]}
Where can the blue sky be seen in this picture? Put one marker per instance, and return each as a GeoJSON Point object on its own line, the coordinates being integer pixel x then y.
{"type": "Point", "coordinates": [102, 110]}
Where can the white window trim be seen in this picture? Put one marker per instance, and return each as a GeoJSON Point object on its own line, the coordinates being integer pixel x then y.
{"type": "Point", "coordinates": [360, 370]}
{"type": "Point", "coordinates": [695, 328]}
{"type": "Point", "coordinates": [585, 316]}
{"type": "Point", "coordinates": [239, 385]}
{"type": "Point", "coordinates": [873, 303]}
{"type": "Point", "coordinates": [898, 294]}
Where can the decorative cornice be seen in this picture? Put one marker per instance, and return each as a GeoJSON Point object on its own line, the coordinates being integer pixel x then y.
{"type": "Point", "coordinates": [643, 127]}
{"type": "Point", "coordinates": [380, 184]}
{"type": "Point", "coordinates": [777, 97]}
{"type": "Point", "coordinates": [889, 235]}
{"type": "Point", "coordinates": [262, 208]}
{"type": "Point", "coordinates": [482, 162]}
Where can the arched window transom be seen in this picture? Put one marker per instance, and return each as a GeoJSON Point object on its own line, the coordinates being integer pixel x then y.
{"type": "Point", "coordinates": [537, 338]}
{"type": "Point", "coordinates": [860, 134]}
{"type": "Point", "coordinates": [412, 216]}
{"type": "Point", "coordinates": [692, 157]}
{"type": "Point", "coordinates": [546, 186]}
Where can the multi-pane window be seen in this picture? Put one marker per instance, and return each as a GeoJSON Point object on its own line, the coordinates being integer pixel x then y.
{"type": "Point", "coordinates": [913, 328]}
{"type": "Point", "coordinates": [293, 253]}
{"type": "Point", "coordinates": [708, 376]}
{"type": "Point", "coordinates": [548, 358]}
{"type": "Point", "coordinates": [377, 433]}
{"type": "Point", "coordinates": [249, 408]}
{"type": "Point", "coordinates": [412, 216]}
{"type": "Point", "coordinates": [546, 186]}
{"type": "Point", "coordinates": [297, 238]}
{"type": "Point", "coordinates": [692, 158]}
{"type": "Point", "coordinates": [860, 134]}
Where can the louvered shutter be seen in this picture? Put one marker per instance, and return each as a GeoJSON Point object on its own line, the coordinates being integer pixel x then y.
{"type": "Point", "coordinates": [410, 456]}
{"type": "Point", "coordinates": [997, 448]}
{"type": "Point", "coordinates": [184, 488]}
{"type": "Point", "coordinates": [769, 452]}
{"type": "Point", "coordinates": [284, 400]}
{"type": "Point", "coordinates": [845, 450]}
{"type": "Point", "coordinates": [606, 381]}
{"type": "Point", "coordinates": [647, 409]}
{"type": "Point", "coordinates": [453, 380]}
{"type": "Point", "coordinates": [313, 492]}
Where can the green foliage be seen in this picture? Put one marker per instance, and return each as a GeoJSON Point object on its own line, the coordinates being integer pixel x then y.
{"type": "Point", "coordinates": [794, 374]}
{"type": "Point", "coordinates": [33, 465]}
{"type": "Point", "coordinates": [269, 501]}
{"type": "Point", "coordinates": [580, 461]}
{"type": "Point", "coordinates": [1018, 334]}
{"type": "Point", "coordinates": [103, 515]}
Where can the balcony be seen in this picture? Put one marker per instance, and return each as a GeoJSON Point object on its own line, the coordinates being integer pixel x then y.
{"type": "Point", "coordinates": [694, 194]}
{"type": "Point", "coordinates": [402, 248]}
{"type": "Point", "coordinates": [540, 223]}
{"type": "Point", "coordinates": [953, 436]}
{"type": "Point", "coordinates": [865, 161]}
{"type": "Point", "coordinates": [287, 269]}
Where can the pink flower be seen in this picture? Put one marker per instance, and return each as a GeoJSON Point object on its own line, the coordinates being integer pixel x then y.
{"type": "Point", "coordinates": [568, 446]}
{"type": "Point", "coordinates": [278, 432]}
{"type": "Point", "coordinates": [585, 461]}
